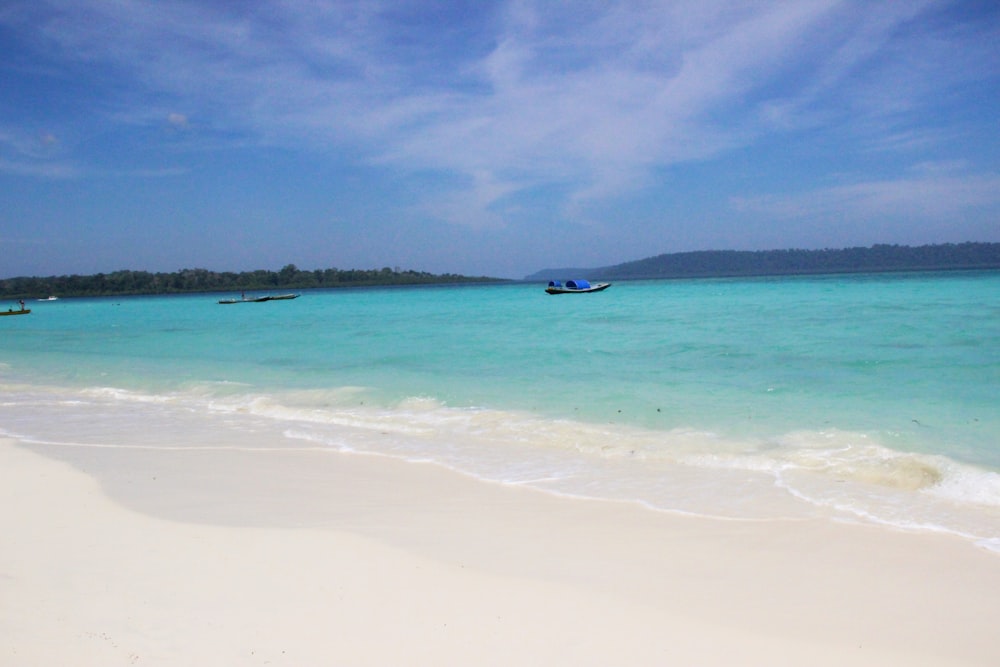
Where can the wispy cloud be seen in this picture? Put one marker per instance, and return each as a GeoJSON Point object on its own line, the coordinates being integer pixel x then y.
{"type": "Point", "coordinates": [929, 192]}
{"type": "Point", "coordinates": [42, 169]}
{"type": "Point", "coordinates": [33, 153]}
{"type": "Point", "coordinates": [177, 120]}
{"type": "Point", "coordinates": [506, 97]}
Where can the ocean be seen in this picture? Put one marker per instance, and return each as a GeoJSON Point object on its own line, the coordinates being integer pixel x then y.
{"type": "Point", "coordinates": [861, 398]}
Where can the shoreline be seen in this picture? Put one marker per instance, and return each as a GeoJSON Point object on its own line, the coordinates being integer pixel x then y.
{"type": "Point", "coordinates": [126, 556]}
{"type": "Point", "coordinates": [839, 475]}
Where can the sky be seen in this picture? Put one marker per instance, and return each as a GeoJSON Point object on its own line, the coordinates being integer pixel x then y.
{"type": "Point", "coordinates": [491, 138]}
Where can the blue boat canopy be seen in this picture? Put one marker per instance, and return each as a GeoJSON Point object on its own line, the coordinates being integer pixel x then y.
{"type": "Point", "coordinates": [555, 283]}
{"type": "Point", "coordinates": [577, 284]}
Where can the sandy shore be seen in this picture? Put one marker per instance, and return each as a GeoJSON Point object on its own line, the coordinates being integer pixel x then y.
{"type": "Point", "coordinates": [255, 557]}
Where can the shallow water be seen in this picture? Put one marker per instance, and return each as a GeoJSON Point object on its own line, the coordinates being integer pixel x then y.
{"type": "Point", "coordinates": [866, 398]}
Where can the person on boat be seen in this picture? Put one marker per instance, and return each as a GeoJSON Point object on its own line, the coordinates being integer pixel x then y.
{"type": "Point", "coordinates": [21, 301]}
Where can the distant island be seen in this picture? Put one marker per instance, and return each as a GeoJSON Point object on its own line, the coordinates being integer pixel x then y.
{"type": "Point", "coordinates": [696, 264]}
{"type": "Point", "coordinates": [119, 283]}
{"type": "Point", "coordinates": [737, 263]}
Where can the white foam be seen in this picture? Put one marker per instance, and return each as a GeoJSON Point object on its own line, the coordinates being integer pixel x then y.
{"type": "Point", "coordinates": [965, 484]}
{"type": "Point", "coordinates": [841, 474]}
{"type": "Point", "coordinates": [990, 544]}
{"type": "Point", "coordinates": [117, 394]}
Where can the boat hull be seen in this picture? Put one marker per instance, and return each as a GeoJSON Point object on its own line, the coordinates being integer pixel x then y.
{"type": "Point", "coordinates": [599, 287]}
{"type": "Point", "coordinates": [260, 299]}
{"type": "Point", "coordinates": [15, 312]}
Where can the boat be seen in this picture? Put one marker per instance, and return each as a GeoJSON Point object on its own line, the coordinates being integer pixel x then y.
{"type": "Point", "coordinates": [26, 311]}
{"type": "Point", "coordinates": [575, 287]}
{"type": "Point", "coordinates": [252, 299]}
{"type": "Point", "coordinates": [51, 298]}
{"type": "Point", "coordinates": [259, 299]}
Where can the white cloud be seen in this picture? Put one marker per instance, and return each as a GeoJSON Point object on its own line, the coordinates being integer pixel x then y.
{"type": "Point", "coordinates": [589, 97]}
{"type": "Point", "coordinates": [474, 205]}
{"type": "Point", "coordinates": [933, 192]}
{"type": "Point", "coordinates": [51, 170]}
{"type": "Point", "coordinates": [30, 153]}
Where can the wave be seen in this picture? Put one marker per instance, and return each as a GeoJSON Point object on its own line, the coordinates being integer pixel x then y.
{"type": "Point", "coordinates": [843, 475]}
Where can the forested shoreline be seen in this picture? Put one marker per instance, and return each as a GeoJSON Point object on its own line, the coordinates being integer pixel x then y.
{"type": "Point", "coordinates": [127, 282]}
{"type": "Point", "coordinates": [697, 264]}
{"type": "Point", "coordinates": [737, 263]}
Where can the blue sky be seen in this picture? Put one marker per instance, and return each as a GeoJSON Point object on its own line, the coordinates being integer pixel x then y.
{"type": "Point", "coordinates": [488, 138]}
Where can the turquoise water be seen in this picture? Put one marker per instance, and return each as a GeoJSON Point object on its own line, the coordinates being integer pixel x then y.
{"type": "Point", "coordinates": [865, 398]}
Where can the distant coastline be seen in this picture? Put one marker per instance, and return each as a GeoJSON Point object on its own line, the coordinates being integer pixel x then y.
{"type": "Point", "coordinates": [738, 263]}
{"type": "Point", "coordinates": [695, 264]}
{"type": "Point", "coordinates": [185, 281]}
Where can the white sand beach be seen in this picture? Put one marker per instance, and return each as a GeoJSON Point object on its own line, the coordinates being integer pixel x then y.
{"type": "Point", "coordinates": [151, 557]}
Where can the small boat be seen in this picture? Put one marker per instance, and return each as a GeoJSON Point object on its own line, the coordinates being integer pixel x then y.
{"type": "Point", "coordinates": [245, 299]}
{"type": "Point", "coordinates": [575, 287]}
{"type": "Point", "coordinates": [259, 299]}
{"type": "Point", "coordinates": [51, 298]}
{"type": "Point", "coordinates": [26, 311]}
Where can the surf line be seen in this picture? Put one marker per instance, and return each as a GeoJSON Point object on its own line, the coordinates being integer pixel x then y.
{"type": "Point", "coordinates": [166, 448]}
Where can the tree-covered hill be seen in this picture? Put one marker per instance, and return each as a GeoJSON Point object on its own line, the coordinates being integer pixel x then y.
{"type": "Point", "coordinates": [735, 263]}
{"type": "Point", "coordinates": [202, 280]}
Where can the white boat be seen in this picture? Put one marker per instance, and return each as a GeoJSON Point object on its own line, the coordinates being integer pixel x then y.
{"type": "Point", "coordinates": [575, 287]}
{"type": "Point", "coordinates": [51, 298]}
